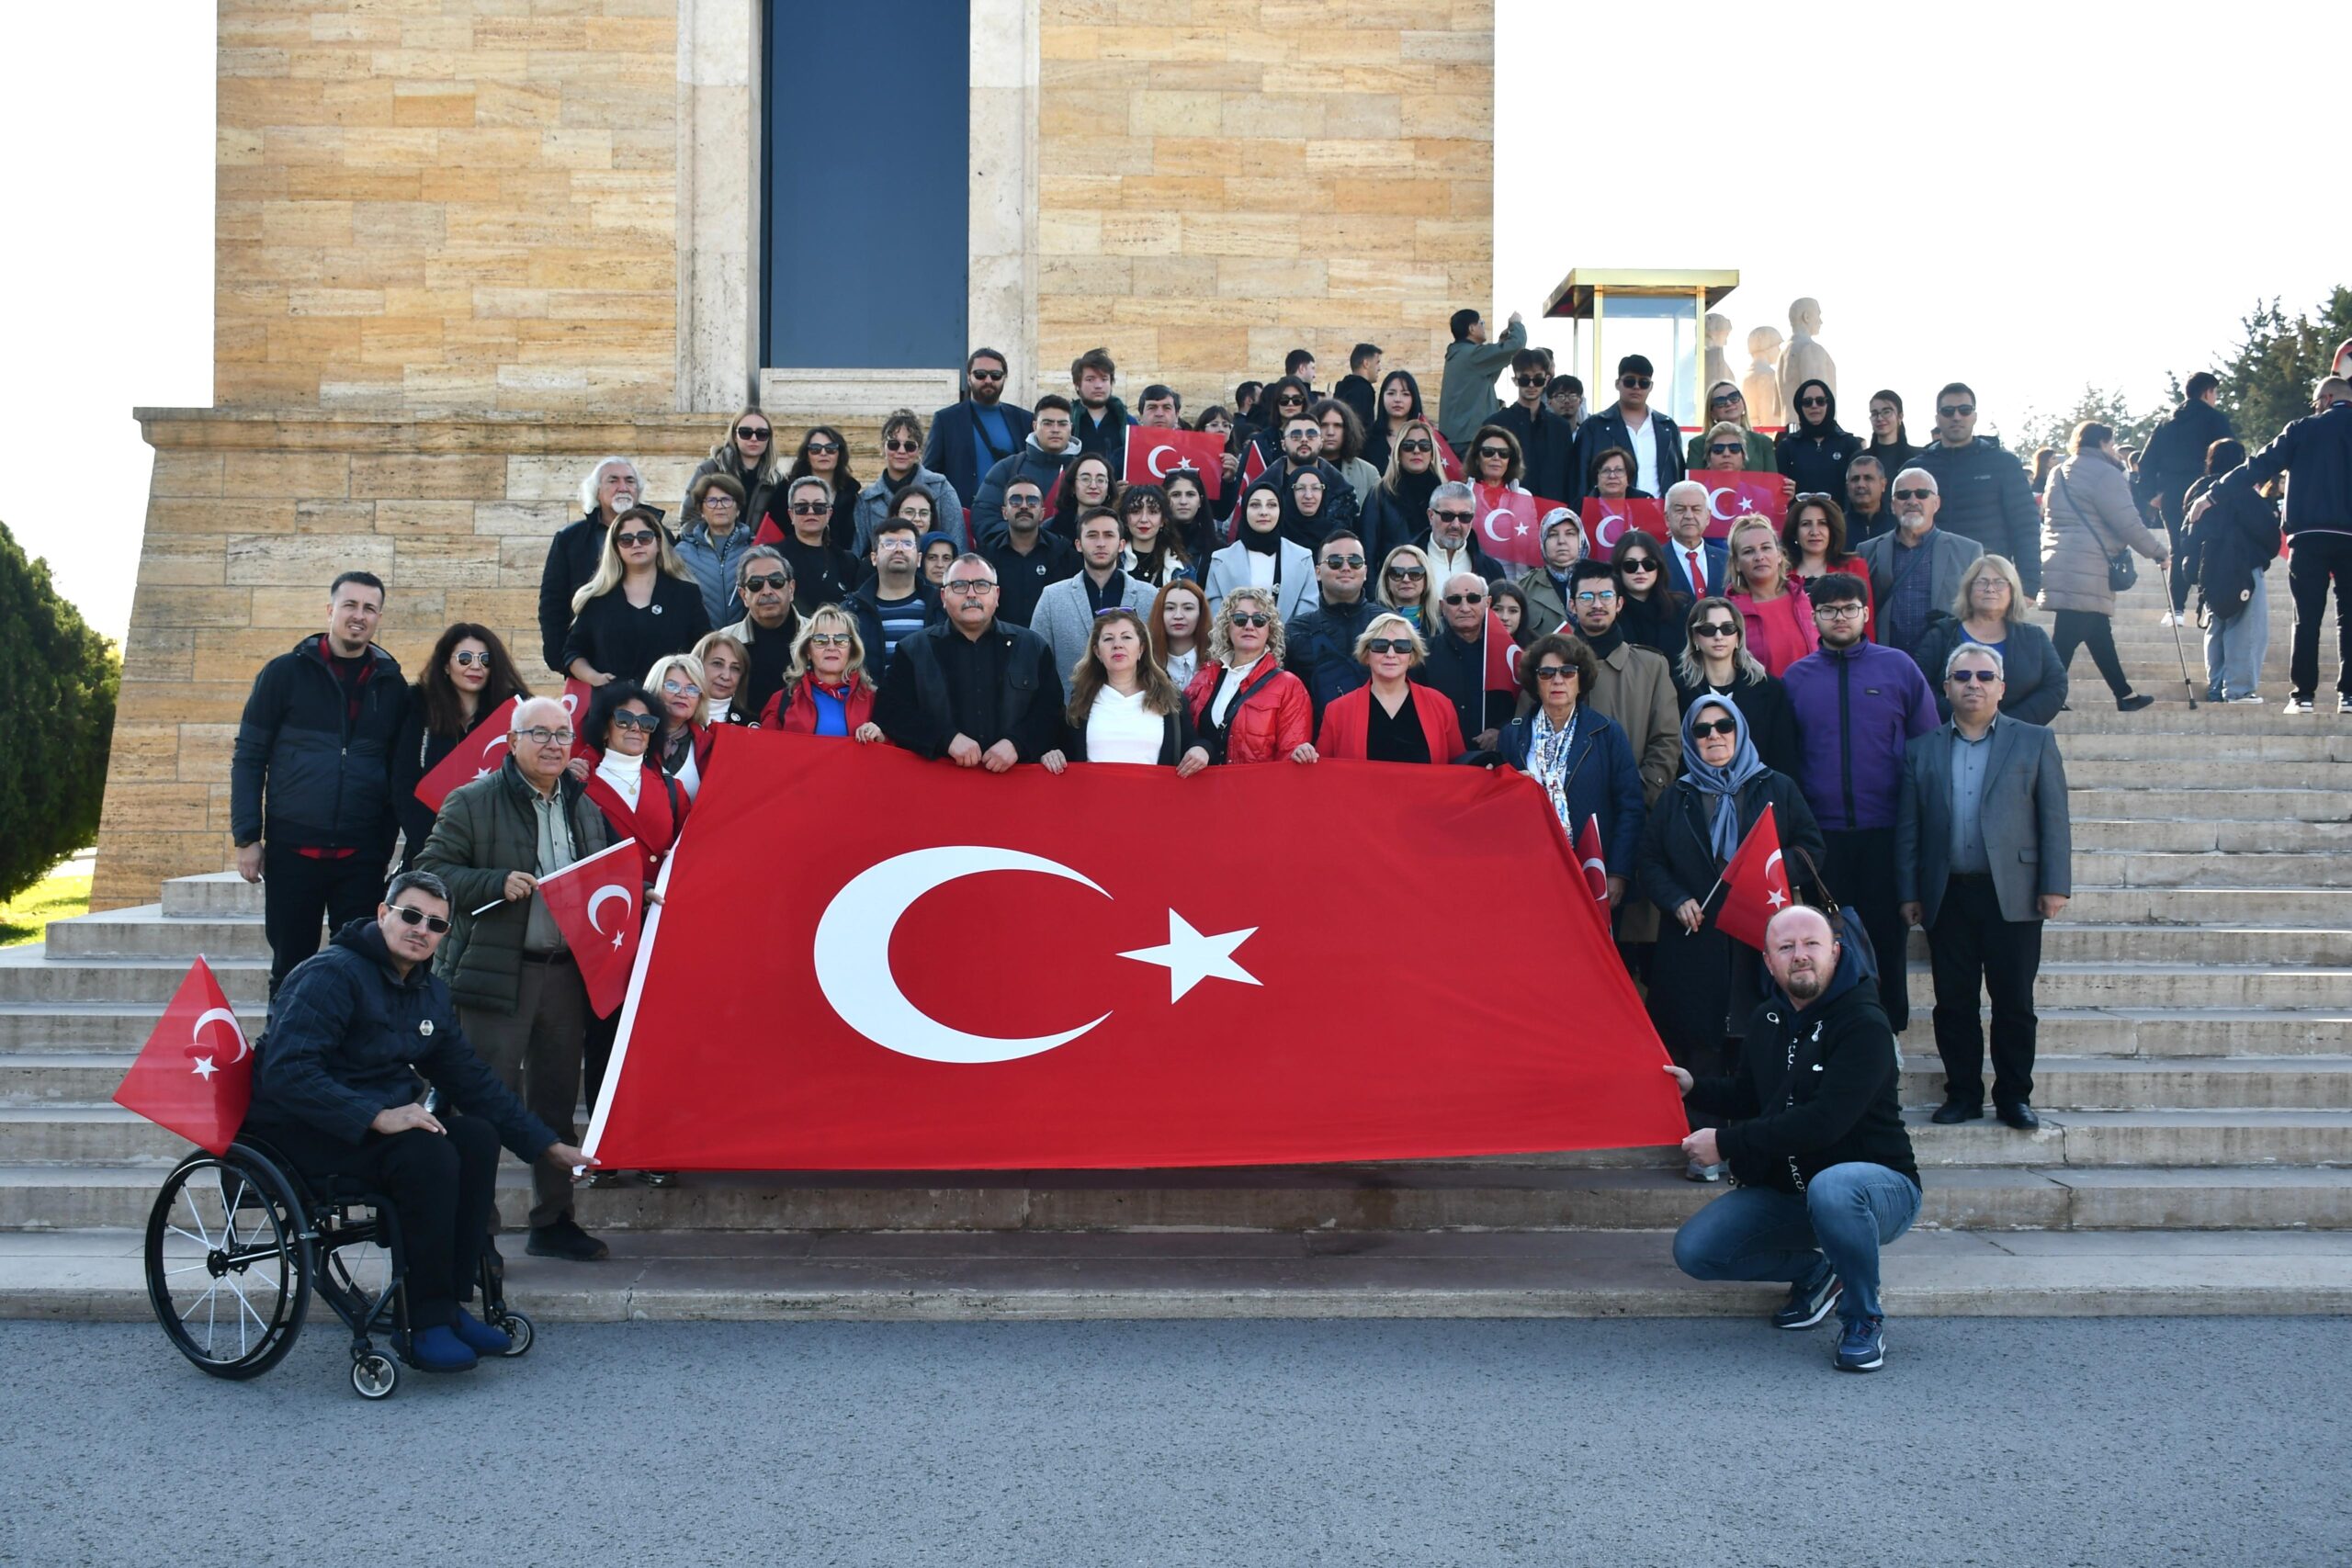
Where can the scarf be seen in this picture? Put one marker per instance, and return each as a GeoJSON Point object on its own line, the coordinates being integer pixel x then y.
{"type": "Point", "coordinates": [1548, 752]}
{"type": "Point", "coordinates": [1720, 787]}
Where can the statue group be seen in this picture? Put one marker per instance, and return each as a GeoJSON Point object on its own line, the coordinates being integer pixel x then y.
{"type": "Point", "coordinates": [1777, 366]}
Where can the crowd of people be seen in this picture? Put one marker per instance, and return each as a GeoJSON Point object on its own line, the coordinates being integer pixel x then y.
{"type": "Point", "coordinates": [999, 594]}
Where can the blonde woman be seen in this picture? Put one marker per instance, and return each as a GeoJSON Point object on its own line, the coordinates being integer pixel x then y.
{"type": "Point", "coordinates": [642, 604]}
{"type": "Point", "coordinates": [682, 745]}
{"type": "Point", "coordinates": [1123, 706]}
{"type": "Point", "coordinates": [1244, 705]}
{"type": "Point", "coordinates": [1408, 586]}
{"type": "Point", "coordinates": [746, 452]}
{"type": "Point", "coordinates": [1989, 612]}
{"type": "Point", "coordinates": [1778, 617]}
{"type": "Point", "coordinates": [725, 662]}
{"type": "Point", "coordinates": [1393, 717]}
{"type": "Point", "coordinates": [826, 690]}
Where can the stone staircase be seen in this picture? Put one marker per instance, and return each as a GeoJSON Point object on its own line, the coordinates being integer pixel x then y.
{"type": "Point", "coordinates": [2194, 1076]}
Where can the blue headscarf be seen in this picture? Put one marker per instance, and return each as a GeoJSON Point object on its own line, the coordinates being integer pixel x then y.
{"type": "Point", "coordinates": [1719, 787]}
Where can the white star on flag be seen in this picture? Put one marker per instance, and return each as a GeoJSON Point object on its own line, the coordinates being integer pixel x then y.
{"type": "Point", "coordinates": [1518, 528]}
{"type": "Point", "coordinates": [1190, 958]}
{"type": "Point", "coordinates": [1776, 897]}
{"type": "Point", "coordinates": [204, 1068]}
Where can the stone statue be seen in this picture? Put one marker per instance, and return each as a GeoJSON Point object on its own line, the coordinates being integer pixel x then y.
{"type": "Point", "coordinates": [1718, 362]}
{"type": "Point", "coordinates": [1761, 385]}
{"type": "Point", "coordinates": [1804, 359]}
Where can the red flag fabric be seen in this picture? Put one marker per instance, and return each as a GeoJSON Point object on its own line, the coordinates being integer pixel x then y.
{"type": "Point", "coordinates": [195, 1075]}
{"type": "Point", "coordinates": [768, 533]}
{"type": "Point", "coordinates": [1605, 523]}
{"type": "Point", "coordinates": [1253, 467]}
{"type": "Point", "coordinates": [1502, 658]}
{"type": "Point", "coordinates": [1448, 464]}
{"type": "Point", "coordinates": [1153, 455]}
{"type": "Point", "coordinates": [1511, 524]}
{"type": "Point", "coordinates": [1732, 496]}
{"type": "Point", "coordinates": [603, 940]}
{"type": "Point", "coordinates": [1756, 885]}
{"type": "Point", "coordinates": [576, 698]}
{"type": "Point", "coordinates": [935, 993]}
{"type": "Point", "coordinates": [1594, 859]}
{"type": "Point", "coordinates": [476, 757]}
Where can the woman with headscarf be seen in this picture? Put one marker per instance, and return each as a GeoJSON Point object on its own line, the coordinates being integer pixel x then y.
{"type": "Point", "coordinates": [1306, 508]}
{"type": "Point", "coordinates": [1813, 452]}
{"type": "Point", "coordinates": [1260, 557]}
{"type": "Point", "coordinates": [1703, 984]}
{"type": "Point", "coordinates": [1399, 405]}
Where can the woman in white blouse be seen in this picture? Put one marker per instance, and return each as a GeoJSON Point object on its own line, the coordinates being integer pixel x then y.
{"type": "Point", "coordinates": [1123, 706]}
{"type": "Point", "coordinates": [1180, 630]}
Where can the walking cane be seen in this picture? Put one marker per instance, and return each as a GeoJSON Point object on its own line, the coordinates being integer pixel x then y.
{"type": "Point", "coordinates": [2183, 655]}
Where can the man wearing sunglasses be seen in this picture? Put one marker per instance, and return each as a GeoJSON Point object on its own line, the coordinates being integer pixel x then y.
{"type": "Point", "coordinates": [336, 1092]}
{"type": "Point", "coordinates": [1028, 556]}
{"type": "Point", "coordinates": [1986, 495]}
{"type": "Point", "coordinates": [1655, 440]}
{"type": "Point", "coordinates": [1451, 541]}
{"type": "Point", "coordinates": [970, 436]}
{"type": "Point", "coordinates": [1915, 570]}
{"type": "Point", "coordinates": [769, 624]}
{"type": "Point", "coordinates": [1319, 644]}
{"type": "Point", "coordinates": [1465, 397]}
{"type": "Point", "coordinates": [1547, 444]}
{"type": "Point", "coordinates": [516, 985]}
{"type": "Point", "coordinates": [1983, 854]}
{"type": "Point", "coordinates": [1042, 460]}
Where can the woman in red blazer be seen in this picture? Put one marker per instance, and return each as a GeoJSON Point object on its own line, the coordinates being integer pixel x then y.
{"type": "Point", "coordinates": [1394, 719]}
{"type": "Point", "coordinates": [1246, 706]}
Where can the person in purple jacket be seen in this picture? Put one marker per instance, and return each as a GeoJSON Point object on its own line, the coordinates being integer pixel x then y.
{"type": "Point", "coordinates": [1859, 704]}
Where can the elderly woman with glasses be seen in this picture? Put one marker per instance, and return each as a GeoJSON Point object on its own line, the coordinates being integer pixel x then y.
{"type": "Point", "coordinates": [1989, 612]}
{"type": "Point", "coordinates": [1714, 663]}
{"type": "Point", "coordinates": [1578, 755]}
{"type": "Point", "coordinates": [1610, 475]}
{"type": "Point", "coordinates": [1702, 984]}
{"type": "Point", "coordinates": [1246, 707]}
{"type": "Point", "coordinates": [1394, 718]}
{"type": "Point", "coordinates": [681, 747]}
{"type": "Point", "coordinates": [1773, 604]}
{"type": "Point", "coordinates": [642, 604]}
{"type": "Point", "coordinates": [826, 690]}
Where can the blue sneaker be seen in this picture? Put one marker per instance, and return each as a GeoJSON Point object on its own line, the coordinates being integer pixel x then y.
{"type": "Point", "coordinates": [438, 1349]}
{"type": "Point", "coordinates": [1862, 1347]}
{"type": "Point", "coordinates": [1810, 1301]}
{"type": "Point", "coordinates": [479, 1336]}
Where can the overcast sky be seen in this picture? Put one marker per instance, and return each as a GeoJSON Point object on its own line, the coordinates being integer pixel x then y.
{"type": "Point", "coordinates": [2023, 196]}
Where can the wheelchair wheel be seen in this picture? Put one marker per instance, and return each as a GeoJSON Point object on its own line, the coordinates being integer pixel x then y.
{"type": "Point", "coordinates": [374, 1375]}
{"type": "Point", "coordinates": [517, 1327]}
{"type": "Point", "coordinates": [228, 1265]}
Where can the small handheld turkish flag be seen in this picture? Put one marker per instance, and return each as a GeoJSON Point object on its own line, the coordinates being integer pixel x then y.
{"type": "Point", "coordinates": [195, 1075]}
{"type": "Point", "coordinates": [476, 757]}
{"type": "Point", "coordinates": [596, 903]}
{"type": "Point", "coordinates": [1153, 455]}
{"type": "Point", "coordinates": [769, 533]}
{"type": "Point", "coordinates": [1510, 524]}
{"type": "Point", "coordinates": [1448, 464]}
{"type": "Point", "coordinates": [1253, 466]}
{"type": "Point", "coordinates": [1606, 522]}
{"type": "Point", "coordinates": [1595, 861]}
{"type": "Point", "coordinates": [1756, 885]}
{"type": "Point", "coordinates": [577, 695]}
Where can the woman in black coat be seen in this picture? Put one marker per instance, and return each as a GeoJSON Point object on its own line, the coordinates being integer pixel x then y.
{"type": "Point", "coordinates": [643, 604]}
{"type": "Point", "coordinates": [1714, 663]}
{"type": "Point", "coordinates": [468, 678]}
{"type": "Point", "coordinates": [1990, 613]}
{"type": "Point", "coordinates": [1649, 612]}
{"type": "Point", "coordinates": [1814, 450]}
{"type": "Point", "coordinates": [1702, 984]}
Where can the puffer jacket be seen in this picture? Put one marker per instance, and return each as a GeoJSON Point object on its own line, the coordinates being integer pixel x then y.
{"type": "Point", "coordinates": [2087, 516]}
{"type": "Point", "coordinates": [1319, 647]}
{"type": "Point", "coordinates": [1985, 497]}
{"type": "Point", "coordinates": [2236, 542]}
{"type": "Point", "coordinates": [486, 829]}
{"type": "Point", "coordinates": [1276, 720]}
{"type": "Point", "coordinates": [713, 563]}
{"type": "Point", "coordinates": [306, 772]}
{"type": "Point", "coordinates": [759, 494]}
{"type": "Point", "coordinates": [874, 505]}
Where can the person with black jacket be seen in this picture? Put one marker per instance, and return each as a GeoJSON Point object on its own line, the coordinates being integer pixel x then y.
{"type": "Point", "coordinates": [468, 678]}
{"type": "Point", "coordinates": [310, 780]}
{"type": "Point", "coordinates": [642, 604]}
{"type": "Point", "coordinates": [1987, 496]}
{"type": "Point", "coordinates": [1354, 388]}
{"type": "Point", "coordinates": [2173, 459]}
{"type": "Point", "coordinates": [1653, 439]}
{"type": "Point", "coordinates": [1813, 451]}
{"type": "Point", "coordinates": [2235, 544]}
{"type": "Point", "coordinates": [1547, 444]}
{"type": "Point", "coordinates": [972, 689]}
{"type": "Point", "coordinates": [1028, 556]}
{"type": "Point", "coordinates": [1319, 644]}
{"type": "Point", "coordinates": [1099, 421]}
{"type": "Point", "coordinates": [610, 488]}
{"type": "Point", "coordinates": [971, 436]}
{"type": "Point", "coordinates": [1815, 1140]}
{"type": "Point", "coordinates": [1714, 663]}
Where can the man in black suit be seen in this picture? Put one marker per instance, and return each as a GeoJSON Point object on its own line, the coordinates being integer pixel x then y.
{"type": "Point", "coordinates": [1694, 563]}
{"type": "Point", "coordinates": [1655, 440]}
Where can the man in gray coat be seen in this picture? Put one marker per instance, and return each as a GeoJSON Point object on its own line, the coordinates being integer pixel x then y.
{"type": "Point", "coordinates": [1066, 610]}
{"type": "Point", "coordinates": [1914, 571]}
{"type": "Point", "coordinates": [1982, 855]}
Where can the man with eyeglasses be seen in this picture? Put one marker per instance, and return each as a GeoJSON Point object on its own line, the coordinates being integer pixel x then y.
{"type": "Point", "coordinates": [1566, 394]}
{"type": "Point", "coordinates": [1042, 460]}
{"type": "Point", "coordinates": [1451, 541]}
{"type": "Point", "coordinates": [970, 436]}
{"type": "Point", "coordinates": [1983, 854]}
{"type": "Point", "coordinates": [1655, 440]}
{"type": "Point", "coordinates": [1099, 422]}
{"type": "Point", "coordinates": [1319, 644]}
{"type": "Point", "coordinates": [1868, 516]}
{"type": "Point", "coordinates": [1857, 704]}
{"type": "Point", "coordinates": [1466, 397]}
{"type": "Point", "coordinates": [1028, 556]}
{"type": "Point", "coordinates": [336, 1093]}
{"type": "Point", "coordinates": [310, 780]}
{"type": "Point", "coordinates": [971, 688]}
{"type": "Point", "coordinates": [516, 985]}
{"type": "Point", "coordinates": [1066, 610]}
{"type": "Point", "coordinates": [1916, 571]}
{"type": "Point", "coordinates": [1551, 593]}
{"type": "Point", "coordinates": [1635, 685]}
{"type": "Point", "coordinates": [770, 624]}
{"type": "Point", "coordinates": [894, 603]}
{"type": "Point", "coordinates": [1725, 405]}
{"type": "Point", "coordinates": [1547, 444]}
{"type": "Point", "coordinates": [1456, 663]}
{"type": "Point", "coordinates": [1987, 496]}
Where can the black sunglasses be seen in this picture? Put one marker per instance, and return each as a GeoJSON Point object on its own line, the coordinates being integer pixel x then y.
{"type": "Point", "coordinates": [811, 508]}
{"type": "Point", "coordinates": [1390, 644]}
{"type": "Point", "coordinates": [985, 374]}
{"type": "Point", "coordinates": [1812, 403]}
{"type": "Point", "coordinates": [772, 579]}
{"type": "Point", "coordinates": [1338, 563]}
{"type": "Point", "coordinates": [1465, 598]}
{"type": "Point", "coordinates": [1251, 618]}
{"type": "Point", "coordinates": [1715, 628]}
{"type": "Point", "coordinates": [752, 433]}
{"type": "Point", "coordinates": [436, 924]}
{"type": "Point", "coordinates": [1727, 446]}
{"type": "Point", "coordinates": [1414, 445]}
{"type": "Point", "coordinates": [1716, 726]}
{"type": "Point", "coordinates": [819, 449]}
{"type": "Point", "coordinates": [1529, 380]}
{"type": "Point", "coordinates": [1407, 571]}
{"type": "Point", "coordinates": [902, 445]}
{"type": "Point", "coordinates": [1557, 672]}
{"type": "Point", "coordinates": [1494, 452]}
{"type": "Point", "coordinates": [1985, 675]}
{"type": "Point", "coordinates": [1637, 381]}
{"type": "Point", "coordinates": [637, 537]}
{"type": "Point", "coordinates": [646, 721]}
{"type": "Point", "coordinates": [1913, 495]}
{"type": "Point", "coordinates": [1636, 563]}
{"type": "Point", "coordinates": [1957, 411]}
{"type": "Point", "coordinates": [1445, 516]}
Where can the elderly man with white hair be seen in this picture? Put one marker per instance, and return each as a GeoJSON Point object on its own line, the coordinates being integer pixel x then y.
{"type": "Point", "coordinates": [1452, 541]}
{"type": "Point", "coordinates": [1916, 571]}
{"type": "Point", "coordinates": [610, 488]}
{"type": "Point", "coordinates": [518, 987]}
{"type": "Point", "coordinates": [1696, 564]}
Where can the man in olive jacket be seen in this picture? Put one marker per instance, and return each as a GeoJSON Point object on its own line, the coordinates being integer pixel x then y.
{"type": "Point", "coordinates": [518, 989]}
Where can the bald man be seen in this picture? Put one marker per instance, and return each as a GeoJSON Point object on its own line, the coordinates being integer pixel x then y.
{"type": "Point", "coordinates": [1814, 1133]}
{"type": "Point", "coordinates": [518, 987]}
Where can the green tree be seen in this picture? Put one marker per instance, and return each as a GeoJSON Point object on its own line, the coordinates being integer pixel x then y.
{"type": "Point", "coordinates": [58, 683]}
{"type": "Point", "coordinates": [2266, 381]}
{"type": "Point", "coordinates": [2038, 429]}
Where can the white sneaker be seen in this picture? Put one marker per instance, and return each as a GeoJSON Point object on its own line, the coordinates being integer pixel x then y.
{"type": "Point", "coordinates": [2299, 705]}
{"type": "Point", "coordinates": [2249, 697]}
{"type": "Point", "coordinates": [2168, 619]}
{"type": "Point", "coordinates": [2344, 705]}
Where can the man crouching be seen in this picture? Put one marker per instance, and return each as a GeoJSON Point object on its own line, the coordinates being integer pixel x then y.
{"type": "Point", "coordinates": [1816, 1143]}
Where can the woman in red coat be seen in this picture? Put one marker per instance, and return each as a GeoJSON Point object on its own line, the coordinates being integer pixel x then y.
{"type": "Point", "coordinates": [1246, 706]}
{"type": "Point", "coordinates": [1768, 597]}
{"type": "Point", "coordinates": [825, 689]}
{"type": "Point", "coordinates": [1394, 719]}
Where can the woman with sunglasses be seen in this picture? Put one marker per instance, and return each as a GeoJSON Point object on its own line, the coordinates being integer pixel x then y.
{"type": "Point", "coordinates": [1408, 586]}
{"type": "Point", "coordinates": [1246, 707]}
{"type": "Point", "coordinates": [1153, 551]}
{"type": "Point", "coordinates": [1260, 557]}
{"type": "Point", "coordinates": [1653, 613]}
{"type": "Point", "coordinates": [725, 663]}
{"type": "Point", "coordinates": [824, 452]}
{"type": "Point", "coordinates": [1180, 630]}
{"type": "Point", "coordinates": [1399, 405]}
{"type": "Point", "coordinates": [468, 678]}
{"type": "Point", "coordinates": [1495, 461]}
{"type": "Point", "coordinates": [1282, 402]}
{"type": "Point", "coordinates": [1398, 512]}
{"type": "Point", "coordinates": [823, 572]}
{"type": "Point", "coordinates": [1813, 452]}
{"type": "Point", "coordinates": [681, 747]}
{"type": "Point", "coordinates": [746, 452]}
{"type": "Point", "coordinates": [642, 604]}
{"type": "Point", "coordinates": [1123, 706]}
{"type": "Point", "coordinates": [1702, 984]}
{"type": "Point", "coordinates": [1813, 539]}
{"type": "Point", "coordinates": [1086, 484]}
{"type": "Point", "coordinates": [1714, 663]}
{"type": "Point", "coordinates": [1579, 754]}
{"type": "Point", "coordinates": [826, 690]}
{"type": "Point", "coordinates": [1779, 614]}
{"type": "Point", "coordinates": [1394, 718]}
{"type": "Point", "coordinates": [903, 470]}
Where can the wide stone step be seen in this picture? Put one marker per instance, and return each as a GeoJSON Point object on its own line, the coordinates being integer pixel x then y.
{"type": "Point", "coordinates": [2129, 798]}
{"type": "Point", "coordinates": [93, 1026]}
{"type": "Point", "coordinates": [28, 974]}
{"type": "Point", "coordinates": [2174, 985]}
{"type": "Point", "coordinates": [2210, 868]}
{"type": "Point", "coordinates": [2184, 768]}
{"type": "Point", "coordinates": [1318, 1199]}
{"type": "Point", "coordinates": [222, 894]}
{"type": "Point", "coordinates": [2091, 713]}
{"type": "Point", "coordinates": [2168, 1032]}
{"type": "Point", "coordinates": [145, 931]}
{"type": "Point", "coordinates": [2179, 836]}
{"type": "Point", "coordinates": [2131, 738]}
{"type": "Point", "coordinates": [2068, 940]}
{"type": "Point", "coordinates": [2219, 906]}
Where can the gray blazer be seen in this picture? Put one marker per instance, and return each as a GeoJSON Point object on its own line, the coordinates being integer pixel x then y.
{"type": "Point", "coordinates": [1063, 619]}
{"type": "Point", "coordinates": [1950, 555]}
{"type": "Point", "coordinates": [1230, 569]}
{"type": "Point", "coordinates": [2026, 836]}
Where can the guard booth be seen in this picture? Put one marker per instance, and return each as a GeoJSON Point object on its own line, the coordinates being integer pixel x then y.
{"type": "Point", "coordinates": [1659, 314]}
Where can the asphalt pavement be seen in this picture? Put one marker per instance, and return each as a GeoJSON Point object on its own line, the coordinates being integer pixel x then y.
{"type": "Point", "coordinates": [2044, 1442]}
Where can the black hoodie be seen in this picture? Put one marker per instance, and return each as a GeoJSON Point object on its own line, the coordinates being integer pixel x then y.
{"type": "Point", "coordinates": [1816, 454]}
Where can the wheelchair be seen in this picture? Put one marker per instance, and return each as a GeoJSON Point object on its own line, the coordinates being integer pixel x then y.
{"type": "Point", "coordinates": [236, 1244]}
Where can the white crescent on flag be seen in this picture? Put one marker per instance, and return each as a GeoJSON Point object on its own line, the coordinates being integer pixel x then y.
{"type": "Point", "coordinates": [1714, 502]}
{"type": "Point", "coordinates": [596, 901]}
{"type": "Point", "coordinates": [1159, 470]}
{"type": "Point", "coordinates": [221, 1015]}
{"type": "Point", "coordinates": [1772, 894]}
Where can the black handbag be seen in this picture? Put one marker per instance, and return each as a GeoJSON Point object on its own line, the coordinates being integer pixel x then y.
{"type": "Point", "coordinates": [2122, 566]}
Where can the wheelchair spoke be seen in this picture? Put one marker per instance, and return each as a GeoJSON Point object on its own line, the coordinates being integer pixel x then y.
{"type": "Point", "coordinates": [248, 1311]}
{"type": "Point", "coordinates": [204, 1242]}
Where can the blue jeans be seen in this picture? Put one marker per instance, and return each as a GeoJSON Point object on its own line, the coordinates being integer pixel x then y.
{"type": "Point", "coordinates": [1845, 1215]}
{"type": "Point", "coordinates": [2235, 648]}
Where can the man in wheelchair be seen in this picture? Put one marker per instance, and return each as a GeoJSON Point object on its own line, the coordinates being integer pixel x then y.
{"type": "Point", "coordinates": [336, 1092]}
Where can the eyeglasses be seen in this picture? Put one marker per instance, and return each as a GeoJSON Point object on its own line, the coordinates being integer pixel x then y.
{"type": "Point", "coordinates": [1416, 444]}
{"type": "Point", "coordinates": [1989, 676]}
{"type": "Point", "coordinates": [1715, 628]}
{"type": "Point", "coordinates": [635, 536]}
{"type": "Point", "coordinates": [1716, 726]}
{"type": "Point", "coordinates": [1837, 612]}
{"type": "Point", "coordinates": [540, 735]}
{"type": "Point", "coordinates": [1913, 495]}
{"type": "Point", "coordinates": [1815, 402]}
{"type": "Point", "coordinates": [1955, 410]}
{"type": "Point", "coordinates": [752, 433]}
{"type": "Point", "coordinates": [1445, 516]}
{"type": "Point", "coordinates": [1636, 563]}
{"type": "Point", "coordinates": [645, 721]}
{"type": "Point", "coordinates": [1024, 503]}
{"type": "Point", "coordinates": [1557, 673]}
{"type": "Point", "coordinates": [829, 640]}
{"type": "Point", "coordinates": [1727, 446]}
{"type": "Point", "coordinates": [1503, 452]}
{"type": "Point", "coordinates": [1342, 563]}
{"type": "Point", "coordinates": [778, 580]}
{"type": "Point", "coordinates": [1390, 644]}
{"type": "Point", "coordinates": [436, 924]}
{"type": "Point", "coordinates": [681, 689]}
{"type": "Point", "coordinates": [1635, 382]}
{"type": "Point", "coordinates": [466, 657]}
{"type": "Point", "coordinates": [1407, 571]}
{"type": "Point", "coordinates": [811, 508]}
{"type": "Point", "coordinates": [1529, 380]}
{"type": "Point", "coordinates": [969, 587]}
{"type": "Point", "coordinates": [902, 445]}
{"type": "Point", "coordinates": [1598, 596]}
{"type": "Point", "coordinates": [822, 448]}
{"type": "Point", "coordinates": [1465, 598]}
{"type": "Point", "coordinates": [718, 501]}
{"type": "Point", "coordinates": [1251, 618]}
{"type": "Point", "coordinates": [985, 374]}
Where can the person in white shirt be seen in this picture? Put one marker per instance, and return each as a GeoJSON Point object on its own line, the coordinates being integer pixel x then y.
{"type": "Point", "coordinates": [1123, 706]}
{"type": "Point", "coordinates": [1180, 630]}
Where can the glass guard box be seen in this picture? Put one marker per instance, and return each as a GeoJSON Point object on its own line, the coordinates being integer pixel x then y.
{"type": "Point", "coordinates": [1657, 314]}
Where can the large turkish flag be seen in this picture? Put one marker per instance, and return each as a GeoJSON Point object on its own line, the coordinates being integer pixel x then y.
{"type": "Point", "coordinates": [1511, 524]}
{"type": "Point", "coordinates": [1607, 522]}
{"type": "Point", "coordinates": [1730, 496]}
{"type": "Point", "coordinates": [977, 971]}
{"type": "Point", "coordinates": [1153, 455]}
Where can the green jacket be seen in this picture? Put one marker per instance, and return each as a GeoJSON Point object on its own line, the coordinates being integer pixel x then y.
{"type": "Point", "coordinates": [485, 831]}
{"type": "Point", "coordinates": [1760, 458]}
{"type": "Point", "coordinates": [1465, 397]}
